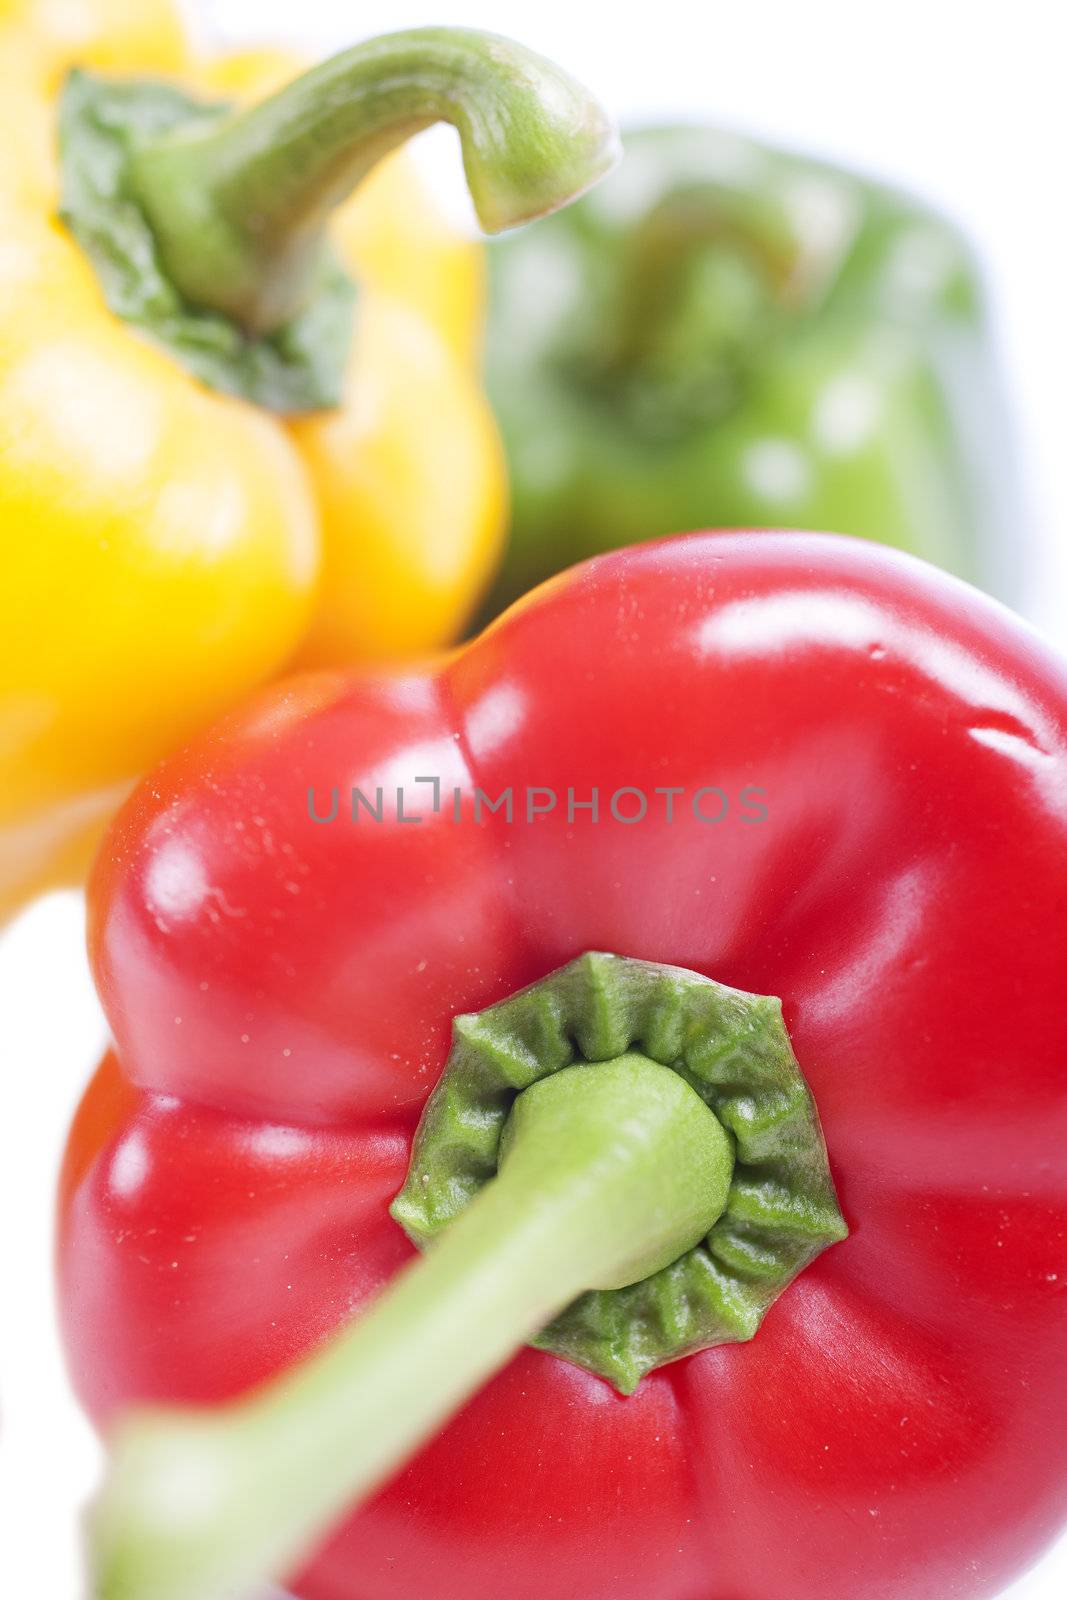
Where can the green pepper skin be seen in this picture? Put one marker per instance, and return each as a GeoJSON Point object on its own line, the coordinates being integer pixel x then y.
{"type": "Point", "coordinates": [727, 335]}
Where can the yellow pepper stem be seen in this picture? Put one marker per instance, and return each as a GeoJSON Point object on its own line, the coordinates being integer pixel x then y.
{"type": "Point", "coordinates": [238, 207]}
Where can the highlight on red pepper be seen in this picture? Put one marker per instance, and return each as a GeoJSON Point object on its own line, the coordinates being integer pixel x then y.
{"type": "Point", "coordinates": [666, 1341]}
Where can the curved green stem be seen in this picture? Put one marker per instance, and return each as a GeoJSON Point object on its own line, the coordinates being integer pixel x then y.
{"type": "Point", "coordinates": [238, 208]}
{"type": "Point", "coordinates": [608, 1173]}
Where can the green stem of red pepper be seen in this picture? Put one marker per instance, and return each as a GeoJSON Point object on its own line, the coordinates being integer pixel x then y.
{"type": "Point", "coordinates": [238, 208]}
{"type": "Point", "coordinates": [608, 1173]}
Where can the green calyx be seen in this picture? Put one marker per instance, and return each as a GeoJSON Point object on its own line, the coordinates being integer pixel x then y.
{"type": "Point", "coordinates": [780, 1210]}
{"type": "Point", "coordinates": [298, 367]}
{"type": "Point", "coordinates": [623, 1155]}
{"type": "Point", "coordinates": [207, 226]}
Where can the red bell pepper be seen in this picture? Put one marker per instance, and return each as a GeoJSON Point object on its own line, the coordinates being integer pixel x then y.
{"type": "Point", "coordinates": [844, 783]}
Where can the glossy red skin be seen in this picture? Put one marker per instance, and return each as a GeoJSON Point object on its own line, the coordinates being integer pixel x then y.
{"type": "Point", "coordinates": [897, 1426]}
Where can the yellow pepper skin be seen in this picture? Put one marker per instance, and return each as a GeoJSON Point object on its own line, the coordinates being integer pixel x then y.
{"type": "Point", "coordinates": [112, 35]}
{"type": "Point", "coordinates": [166, 546]}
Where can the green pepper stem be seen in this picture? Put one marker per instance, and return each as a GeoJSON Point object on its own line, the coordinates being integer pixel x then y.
{"type": "Point", "coordinates": [608, 1173]}
{"type": "Point", "coordinates": [662, 311]}
{"type": "Point", "coordinates": [238, 208]}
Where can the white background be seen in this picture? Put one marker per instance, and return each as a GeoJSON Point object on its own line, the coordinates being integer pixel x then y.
{"type": "Point", "coordinates": [962, 101]}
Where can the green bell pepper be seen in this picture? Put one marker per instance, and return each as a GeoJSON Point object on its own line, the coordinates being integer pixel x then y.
{"type": "Point", "coordinates": [726, 334]}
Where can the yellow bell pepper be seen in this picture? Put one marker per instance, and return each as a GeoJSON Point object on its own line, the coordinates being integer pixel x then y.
{"type": "Point", "coordinates": [212, 463]}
